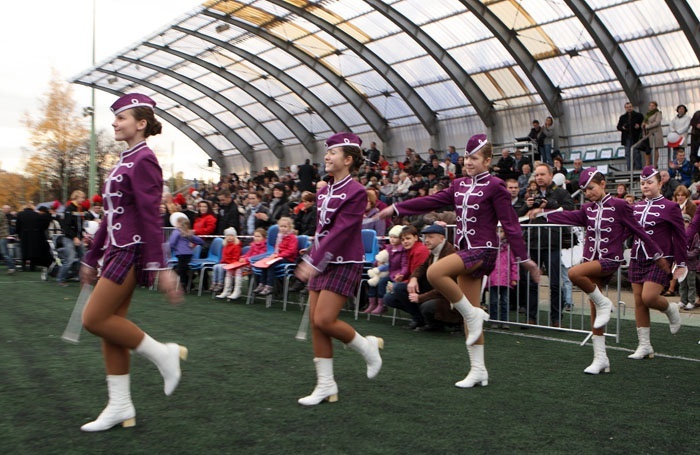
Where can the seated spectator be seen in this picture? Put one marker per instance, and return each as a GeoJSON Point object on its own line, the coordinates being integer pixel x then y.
{"type": "Point", "coordinates": [393, 270]}
{"type": "Point", "coordinates": [680, 168]}
{"type": "Point", "coordinates": [305, 218]}
{"type": "Point", "coordinates": [286, 249]}
{"type": "Point", "coordinates": [572, 177]}
{"type": "Point", "coordinates": [402, 187]}
{"type": "Point", "coordinates": [620, 191]}
{"type": "Point", "coordinates": [377, 225]}
{"type": "Point", "coordinates": [524, 178]}
{"type": "Point", "coordinates": [681, 196]}
{"type": "Point", "coordinates": [505, 166]}
{"type": "Point", "coordinates": [182, 242]}
{"type": "Point", "coordinates": [228, 280]}
{"type": "Point", "coordinates": [387, 188]}
{"type": "Point", "coordinates": [411, 296]}
{"type": "Point", "coordinates": [668, 185]}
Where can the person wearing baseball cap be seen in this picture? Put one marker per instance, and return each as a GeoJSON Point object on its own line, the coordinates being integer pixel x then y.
{"type": "Point", "coordinates": [129, 243]}
{"type": "Point", "coordinates": [481, 201]}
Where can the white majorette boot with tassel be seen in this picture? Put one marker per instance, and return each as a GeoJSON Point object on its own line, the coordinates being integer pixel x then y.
{"type": "Point", "coordinates": [674, 317]}
{"type": "Point", "coordinates": [167, 358]}
{"type": "Point", "coordinates": [326, 388]}
{"type": "Point", "coordinates": [603, 308]}
{"type": "Point", "coordinates": [600, 364]}
{"type": "Point", "coordinates": [474, 318]}
{"type": "Point", "coordinates": [644, 348]}
{"type": "Point", "coordinates": [369, 348]}
{"type": "Point", "coordinates": [477, 372]}
{"type": "Point", "coordinates": [237, 285]}
{"type": "Point", "coordinates": [119, 408]}
{"type": "Point", "coordinates": [228, 282]}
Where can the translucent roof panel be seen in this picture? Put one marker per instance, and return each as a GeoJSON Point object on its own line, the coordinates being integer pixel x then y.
{"type": "Point", "coordinates": [361, 63]}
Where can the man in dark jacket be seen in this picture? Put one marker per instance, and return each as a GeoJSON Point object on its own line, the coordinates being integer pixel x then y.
{"type": "Point", "coordinates": [31, 229]}
{"type": "Point", "coordinates": [427, 307]}
{"type": "Point", "coordinates": [630, 127]}
{"type": "Point", "coordinates": [228, 213]}
{"type": "Point", "coordinates": [307, 176]}
{"type": "Point", "coordinates": [73, 235]}
{"type": "Point", "coordinates": [545, 243]}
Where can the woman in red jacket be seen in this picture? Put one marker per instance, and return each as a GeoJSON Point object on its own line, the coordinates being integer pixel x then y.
{"type": "Point", "coordinates": [204, 224]}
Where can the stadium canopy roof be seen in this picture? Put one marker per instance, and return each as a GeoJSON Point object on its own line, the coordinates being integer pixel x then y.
{"type": "Point", "coordinates": [242, 76]}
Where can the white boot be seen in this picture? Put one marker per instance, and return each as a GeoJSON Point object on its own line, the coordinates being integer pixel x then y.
{"type": "Point", "coordinates": [369, 348]}
{"type": "Point", "coordinates": [600, 359]}
{"type": "Point", "coordinates": [603, 308]}
{"type": "Point", "coordinates": [477, 373]}
{"type": "Point", "coordinates": [228, 282]}
{"type": "Point", "coordinates": [236, 288]}
{"type": "Point", "coordinates": [326, 388]}
{"type": "Point", "coordinates": [674, 317]}
{"type": "Point", "coordinates": [644, 348]}
{"type": "Point", "coordinates": [119, 408]}
{"type": "Point", "coordinates": [474, 318]}
{"type": "Point", "coordinates": [166, 357]}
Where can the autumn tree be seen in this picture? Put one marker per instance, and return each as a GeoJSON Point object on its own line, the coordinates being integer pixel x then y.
{"type": "Point", "coordinates": [59, 138]}
{"type": "Point", "coordinates": [16, 189]}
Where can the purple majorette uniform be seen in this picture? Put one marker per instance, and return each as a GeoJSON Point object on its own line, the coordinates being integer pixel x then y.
{"type": "Point", "coordinates": [608, 223]}
{"type": "Point", "coordinates": [480, 202]}
{"type": "Point", "coordinates": [337, 251]}
{"type": "Point", "coordinates": [132, 195]}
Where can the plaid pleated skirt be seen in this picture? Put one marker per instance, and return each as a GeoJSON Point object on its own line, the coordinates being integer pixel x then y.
{"type": "Point", "coordinates": [487, 257]}
{"type": "Point", "coordinates": [341, 279]}
{"type": "Point", "coordinates": [608, 268]}
{"type": "Point", "coordinates": [119, 260]}
{"type": "Point", "coordinates": [643, 270]}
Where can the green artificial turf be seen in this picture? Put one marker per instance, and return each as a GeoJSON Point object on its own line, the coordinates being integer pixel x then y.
{"type": "Point", "coordinates": [245, 372]}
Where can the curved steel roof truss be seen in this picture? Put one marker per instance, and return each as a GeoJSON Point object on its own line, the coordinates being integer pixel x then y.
{"type": "Point", "coordinates": [251, 122]}
{"type": "Point", "coordinates": [688, 22]}
{"type": "Point", "coordinates": [327, 114]}
{"type": "Point", "coordinates": [612, 50]}
{"type": "Point", "coordinates": [375, 121]}
{"type": "Point", "coordinates": [243, 147]}
{"type": "Point", "coordinates": [466, 84]}
{"type": "Point", "coordinates": [550, 94]}
{"type": "Point", "coordinates": [417, 104]}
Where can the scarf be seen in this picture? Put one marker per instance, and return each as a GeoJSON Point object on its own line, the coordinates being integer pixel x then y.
{"type": "Point", "coordinates": [650, 113]}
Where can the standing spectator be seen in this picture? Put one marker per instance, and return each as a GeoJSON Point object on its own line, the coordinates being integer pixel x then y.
{"type": "Point", "coordinates": [31, 229]}
{"type": "Point", "coordinates": [372, 153]}
{"type": "Point", "coordinates": [695, 137]}
{"type": "Point", "coordinates": [228, 213]}
{"type": "Point", "coordinates": [545, 242]}
{"type": "Point", "coordinates": [652, 127]}
{"type": "Point", "coordinates": [688, 286]}
{"type": "Point", "coordinates": [537, 138]}
{"type": "Point", "coordinates": [630, 127]}
{"type": "Point", "coordinates": [549, 137]}
{"type": "Point", "coordinates": [4, 234]}
{"type": "Point", "coordinates": [307, 176]}
{"type": "Point", "coordinates": [680, 168]}
{"type": "Point", "coordinates": [679, 127]}
{"type": "Point", "coordinates": [73, 235]}
{"type": "Point", "coordinates": [502, 280]}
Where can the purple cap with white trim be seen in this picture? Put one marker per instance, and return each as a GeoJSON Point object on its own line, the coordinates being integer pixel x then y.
{"type": "Point", "coordinates": [586, 176]}
{"type": "Point", "coordinates": [342, 140]}
{"type": "Point", "coordinates": [647, 173]}
{"type": "Point", "coordinates": [475, 143]}
{"type": "Point", "coordinates": [131, 101]}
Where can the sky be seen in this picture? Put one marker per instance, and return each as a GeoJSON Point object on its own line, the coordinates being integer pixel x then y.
{"type": "Point", "coordinates": [42, 35]}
